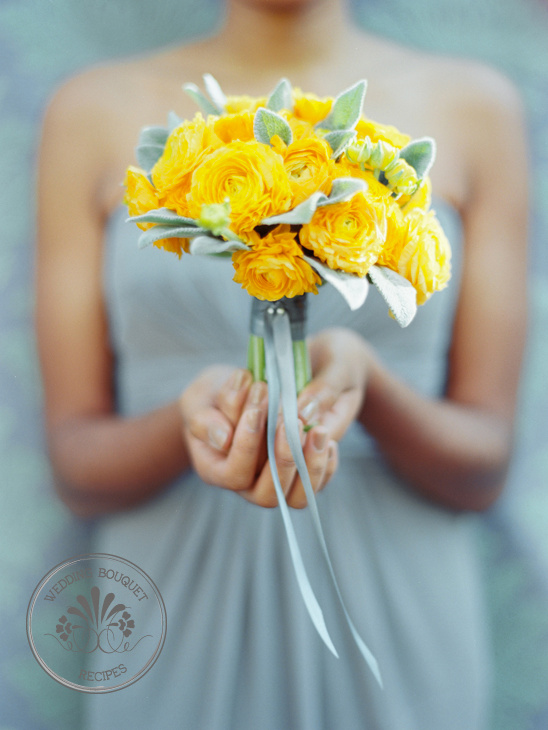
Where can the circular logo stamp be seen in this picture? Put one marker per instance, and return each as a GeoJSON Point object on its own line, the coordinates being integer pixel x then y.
{"type": "Point", "coordinates": [96, 623]}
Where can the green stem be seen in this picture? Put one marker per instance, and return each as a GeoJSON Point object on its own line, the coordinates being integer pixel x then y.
{"type": "Point", "coordinates": [255, 358]}
{"type": "Point", "coordinates": [256, 361]}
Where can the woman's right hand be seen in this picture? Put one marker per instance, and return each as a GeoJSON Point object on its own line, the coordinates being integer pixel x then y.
{"type": "Point", "coordinates": [224, 418]}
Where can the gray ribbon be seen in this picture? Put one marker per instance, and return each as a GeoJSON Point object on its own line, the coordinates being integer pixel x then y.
{"type": "Point", "coordinates": [281, 382]}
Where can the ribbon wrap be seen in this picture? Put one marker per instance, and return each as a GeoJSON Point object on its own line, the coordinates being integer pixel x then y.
{"type": "Point", "coordinates": [277, 332]}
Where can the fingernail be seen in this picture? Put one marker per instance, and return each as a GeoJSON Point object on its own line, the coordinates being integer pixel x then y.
{"type": "Point", "coordinates": [310, 411]}
{"type": "Point", "coordinates": [253, 419]}
{"type": "Point", "coordinates": [217, 436]}
{"type": "Point", "coordinates": [237, 380]}
{"type": "Point", "coordinates": [256, 395]}
{"type": "Point", "coordinates": [319, 439]}
{"type": "Point", "coordinates": [331, 450]}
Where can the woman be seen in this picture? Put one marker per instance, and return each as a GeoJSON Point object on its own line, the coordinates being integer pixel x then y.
{"type": "Point", "coordinates": [132, 405]}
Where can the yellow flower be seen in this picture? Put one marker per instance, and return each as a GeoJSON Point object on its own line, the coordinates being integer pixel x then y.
{"type": "Point", "coordinates": [344, 168]}
{"type": "Point", "coordinates": [311, 108]}
{"type": "Point", "coordinates": [140, 196]}
{"type": "Point", "coordinates": [186, 147]}
{"type": "Point", "coordinates": [274, 267]}
{"type": "Point", "coordinates": [421, 198]}
{"type": "Point", "coordinates": [396, 236]}
{"type": "Point", "coordinates": [173, 245]}
{"type": "Point", "coordinates": [234, 126]}
{"type": "Point", "coordinates": [250, 175]}
{"type": "Point", "coordinates": [237, 104]}
{"type": "Point", "coordinates": [381, 133]}
{"type": "Point", "coordinates": [347, 236]}
{"type": "Point", "coordinates": [423, 254]}
{"type": "Point", "coordinates": [308, 166]}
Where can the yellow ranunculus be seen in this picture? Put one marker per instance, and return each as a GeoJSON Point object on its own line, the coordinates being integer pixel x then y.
{"type": "Point", "coordinates": [423, 256]}
{"type": "Point", "coordinates": [237, 104]}
{"type": "Point", "coordinates": [184, 149]}
{"type": "Point", "coordinates": [250, 175]}
{"type": "Point", "coordinates": [311, 108]}
{"type": "Point", "coordinates": [234, 126]}
{"type": "Point", "coordinates": [344, 168]}
{"type": "Point", "coordinates": [396, 236]}
{"type": "Point", "coordinates": [347, 236]}
{"type": "Point", "coordinates": [421, 198]}
{"type": "Point", "coordinates": [381, 133]}
{"type": "Point", "coordinates": [140, 196]}
{"type": "Point", "coordinates": [274, 267]}
{"type": "Point", "coordinates": [308, 166]}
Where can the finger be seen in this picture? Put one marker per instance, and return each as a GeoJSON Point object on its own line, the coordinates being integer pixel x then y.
{"type": "Point", "coordinates": [263, 492]}
{"type": "Point", "coordinates": [332, 463]}
{"type": "Point", "coordinates": [232, 396]}
{"type": "Point", "coordinates": [212, 428]}
{"type": "Point", "coordinates": [246, 449]}
{"type": "Point", "coordinates": [341, 414]}
{"type": "Point", "coordinates": [317, 398]}
{"type": "Point", "coordinates": [316, 456]}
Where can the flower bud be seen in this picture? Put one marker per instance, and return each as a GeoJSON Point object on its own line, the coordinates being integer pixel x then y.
{"type": "Point", "coordinates": [401, 177]}
{"type": "Point", "coordinates": [215, 217]}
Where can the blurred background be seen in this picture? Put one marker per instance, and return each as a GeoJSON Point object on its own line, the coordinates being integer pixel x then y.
{"type": "Point", "coordinates": [44, 41]}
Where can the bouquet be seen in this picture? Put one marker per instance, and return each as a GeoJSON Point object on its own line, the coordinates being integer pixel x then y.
{"type": "Point", "coordinates": [300, 191]}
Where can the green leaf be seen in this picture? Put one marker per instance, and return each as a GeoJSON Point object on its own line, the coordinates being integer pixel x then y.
{"type": "Point", "coordinates": [300, 214]}
{"type": "Point", "coordinates": [215, 92]}
{"type": "Point", "coordinates": [352, 288]}
{"type": "Point", "coordinates": [420, 154]}
{"type": "Point", "coordinates": [281, 97]}
{"type": "Point", "coordinates": [173, 121]}
{"type": "Point", "coordinates": [148, 155]}
{"type": "Point", "coordinates": [267, 124]}
{"type": "Point", "coordinates": [150, 147]}
{"type": "Point", "coordinates": [164, 216]}
{"type": "Point", "coordinates": [207, 106]}
{"type": "Point", "coordinates": [207, 245]}
{"type": "Point", "coordinates": [159, 232]}
{"type": "Point", "coordinates": [343, 189]}
{"type": "Point", "coordinates": [153, 135]}
{"type": "Point", "coordinates": [346, 108]}
{"type": "Point", "coordinates": [397, 292]}
{"type": "Point", "coordinates": [339, 140]}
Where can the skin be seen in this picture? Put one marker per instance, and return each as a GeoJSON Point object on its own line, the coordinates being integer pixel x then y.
{"type": "Point", "coordinates": [453, 451]}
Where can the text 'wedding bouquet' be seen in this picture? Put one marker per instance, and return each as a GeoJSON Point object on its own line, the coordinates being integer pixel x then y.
{"type": "Point", "coordinates": [300, 191]}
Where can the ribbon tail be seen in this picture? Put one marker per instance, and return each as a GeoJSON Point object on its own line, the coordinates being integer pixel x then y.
{"type": "Point", "coordinates": [283, 349]}
{"type": "Point", "coordinates": [310, 600]}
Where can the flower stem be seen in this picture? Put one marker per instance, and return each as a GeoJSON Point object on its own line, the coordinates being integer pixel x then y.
{"type": "Point", "coordinates": [256, 361]}
{"type": "Point", "coordinates": [255, 358]}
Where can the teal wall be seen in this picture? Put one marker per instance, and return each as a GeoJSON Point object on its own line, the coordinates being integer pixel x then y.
{"type": "Point", "coordinates": [43, 41]}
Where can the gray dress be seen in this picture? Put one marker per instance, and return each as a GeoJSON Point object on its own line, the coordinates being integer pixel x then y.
{"type": "Point", "coordinates": [241, 652]}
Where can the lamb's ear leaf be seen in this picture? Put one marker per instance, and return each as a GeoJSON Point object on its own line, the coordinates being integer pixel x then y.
{"type": "Point", "coordinates": [215, 92]}
{"type": "Point", "coordinates": [173, 121]}
{"type": "Point", "coordinates": [420, 154]}
{"type": "Point", "coordinates": [207, 106]}
{"type": "Point", "coordinates": [300, 214]}
{"type": "Point", "coordinates": [346, 108]}
{"type": "Point", "coordinates": [343, 189]}
{"type": "Point", "coordinates": [165, 217]}
{"type": "Point", "coordinates": [339, 140]}
{"type": "Point", "coordinates": [281, 97]}
{"type": "Point", "coordinates": [268, 124]}
{"type": "Point", "coordinates": [397, 292]}
{"type": "Point", "coordinates": [158, 232]}
{"type": "Point", "coordinates": [351, 287]}
{"type": "Point", "coordinates": [207, 246]}
{"type": "Point", "coordinates": [150, 146]}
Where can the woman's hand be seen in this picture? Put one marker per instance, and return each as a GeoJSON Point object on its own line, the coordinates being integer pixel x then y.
{"type": "Point", "coordinates": [224, 417]}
